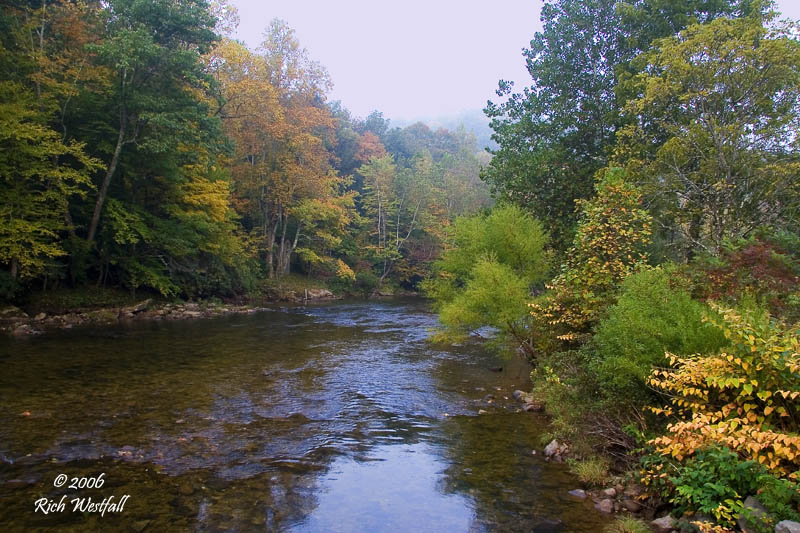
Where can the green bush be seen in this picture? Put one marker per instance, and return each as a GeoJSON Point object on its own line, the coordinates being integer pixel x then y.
{"type": "Point", "coordinates": [654, 313]}
{"type": "Point", "coordinates": [716, 482]}
{"type": "Point", "coordinates": [486, 278]}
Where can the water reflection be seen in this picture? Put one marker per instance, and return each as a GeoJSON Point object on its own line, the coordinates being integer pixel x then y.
{"type": "Point", "coordinates": [317, 418]}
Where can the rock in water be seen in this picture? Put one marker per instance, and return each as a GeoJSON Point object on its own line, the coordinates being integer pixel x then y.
{"type": "Point", "coordinates": [578, 493]}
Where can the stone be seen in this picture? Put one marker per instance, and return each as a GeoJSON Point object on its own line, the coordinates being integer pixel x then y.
{"type": "Point", "coordinates": [535, 407]}
{"type": "Point", "coordinates": [552, 448]}
{"type": "Point", "coordinates": [40, 316]}
{"type": "Point", "coordinates": [605, 506]}
{"type": "Point", "coordinates": [787, 526]}
{"type": "Point", "coordinates": [549, 525]}
{"type": "Point", "coordinates": [316, 294]}
{"type": "Point", "coordinates": [517, 394]}
{"type": "Point", "coordinates": [665, 524]}
{"type": "Point", "coordinates": [609, 492]}
{"type": "Point", "coordinates": [186, 489]}
{"type": "Point", "coordinates": [632, 505]}
{"type": "Point", "coordinates": [578, 493]}
{"type": "Point", "coordinates": [634, 490]}
{"type": "Point", "coordinates": [753, 513]}
{"type": "Point", "coordinates": [482, 411]}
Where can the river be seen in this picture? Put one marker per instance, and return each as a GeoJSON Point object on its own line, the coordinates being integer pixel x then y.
{"type": "Point", "coordinates": [331, 417]}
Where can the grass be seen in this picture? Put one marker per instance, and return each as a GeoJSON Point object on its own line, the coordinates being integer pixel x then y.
{"type": "Point", "coordinates": [592, 471]}
{"type": "Point", "coordinates": [627, 524]}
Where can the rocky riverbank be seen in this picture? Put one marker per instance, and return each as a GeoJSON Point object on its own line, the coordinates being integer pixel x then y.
{"type": "Point", "coordinates": [18, 323]}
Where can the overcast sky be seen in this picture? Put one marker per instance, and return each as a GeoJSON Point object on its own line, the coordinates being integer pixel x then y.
{"type": "Point", "coordinates": [413, 58]}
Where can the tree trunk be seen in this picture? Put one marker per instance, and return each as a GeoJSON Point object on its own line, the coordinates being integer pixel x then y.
{"type": "Point", "coordinates": [14, 267]}
{"type": "Point", "coordinates": [101, 197]}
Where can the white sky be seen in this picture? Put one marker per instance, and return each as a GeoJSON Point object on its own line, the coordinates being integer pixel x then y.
{"type": "Point", "coordinates": [412, 58]}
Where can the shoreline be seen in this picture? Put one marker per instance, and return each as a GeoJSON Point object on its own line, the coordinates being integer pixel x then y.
{"type": "Point", "coordinates": [15, 322]}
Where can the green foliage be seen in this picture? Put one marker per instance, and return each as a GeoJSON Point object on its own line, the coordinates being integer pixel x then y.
{"type": "Point", "coordinates": [610, 243]}
{"type": "Point", "coordinates": [654, 313]}
{"type": "Point", "coordinates": [716, 482]}
{"type": "Point", "coordinates": [485, 279]}
{"type": "Point", "coordinates": [557, 133]}
{"type": "Point", "coordinates": [711, 134]}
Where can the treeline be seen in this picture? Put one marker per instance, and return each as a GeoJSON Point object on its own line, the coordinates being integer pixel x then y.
{"type": "Point", "coordinates": [653, 172]}
{"type": "Point", "coordinates": [141, 148]}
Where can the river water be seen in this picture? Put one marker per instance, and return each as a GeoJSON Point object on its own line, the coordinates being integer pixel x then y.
{"type": "Point", "coordinates": [332, 417]}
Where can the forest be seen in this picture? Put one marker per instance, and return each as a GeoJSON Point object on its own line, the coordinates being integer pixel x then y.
{"type": "Point", "coordinates": [142, 149]}
{"type": "Point", "coordinates": [634, 233]}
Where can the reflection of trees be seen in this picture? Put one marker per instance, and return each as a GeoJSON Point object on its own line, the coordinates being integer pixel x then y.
{"type": "Point", "coordinates": [512, 489]}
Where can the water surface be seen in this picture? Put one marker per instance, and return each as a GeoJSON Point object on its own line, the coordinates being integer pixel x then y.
{"type": "Point", "coordinates": [332, 417]}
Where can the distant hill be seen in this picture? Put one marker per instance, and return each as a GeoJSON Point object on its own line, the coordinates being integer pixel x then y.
{"type": "Point", "coordinates": [473, 121]}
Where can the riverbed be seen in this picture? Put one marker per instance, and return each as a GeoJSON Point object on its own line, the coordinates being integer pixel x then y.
{"type": "Point", "coordinates": [337, 416]}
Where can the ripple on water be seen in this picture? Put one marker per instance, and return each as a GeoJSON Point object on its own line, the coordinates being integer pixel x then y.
{"type": "Point", "coordinates": [335, 416]}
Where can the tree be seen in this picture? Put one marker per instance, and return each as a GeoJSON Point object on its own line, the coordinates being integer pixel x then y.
{"type": "Point", "coordinates": [154, 49]}
{"type": "Point", "coordinates": [557, 133]}
{"type": "Point", "coordinates": [486, 276]}
{"type": "Point", "coordinates": [34, 191]}
{"type": "Point", "coordinates": [713, 138]}
{"type": "Point", "coordinates": [610, 243]}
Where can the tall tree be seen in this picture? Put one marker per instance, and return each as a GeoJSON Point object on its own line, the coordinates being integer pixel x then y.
{"type": "Point", "coordinates": [154, 48]}
{"type": "Point", "coordinates": [558, 132]}
{"type": "Point", "coordinates": [713, 139]}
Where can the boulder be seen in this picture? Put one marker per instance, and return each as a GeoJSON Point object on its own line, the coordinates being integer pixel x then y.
{"type": "Point", "coordinates": [40, 316]}
{"type": "Point", "coordinates": [552, 448]}
{"type": "Point", "coordinates": [24, 330]}
{"type": "Point", "coordinates": [753, 514]}
{"type": "Point", "coordinates": [605, 506]}
{"type": "Point", "coordinates": [533, 406]}
{"type": "Point", "coordinates": [12, 313]}
{"type": "Point", "coordinates": [665, 524]}
{"type": "Point", "coordinates": [787, 526]}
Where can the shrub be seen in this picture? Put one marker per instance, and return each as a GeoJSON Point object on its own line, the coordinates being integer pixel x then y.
{"type": "Point", "coordinates": [654, 314]}
{"type": "Point", "coordinates": [743, 397]}
{"type": "Point", "coordinates": [486, 278]}
{"type": "Point", "coordinates": [715, 482]}
{"type": "Point", "coordinates": [611, 241]}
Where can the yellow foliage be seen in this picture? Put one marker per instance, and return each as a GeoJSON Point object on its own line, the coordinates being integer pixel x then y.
{"type": "Point", "coordinates": [742, 397]}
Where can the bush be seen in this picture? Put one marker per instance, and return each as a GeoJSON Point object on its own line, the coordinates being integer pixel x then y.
{"type": "Point", "coordinates": [610, 243]}
{"type": "Point", "coordinates": [743, 397]}
{"type": "Point", "coordinates": [486, 278]}
{"type": "Point", "coordinates": [715, 482]}
{"type": "Point", "coordinates": [654, 314]}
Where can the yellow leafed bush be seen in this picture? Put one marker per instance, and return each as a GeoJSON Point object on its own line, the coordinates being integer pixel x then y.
{"type": "Point", "coordinates": [744, 397]}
